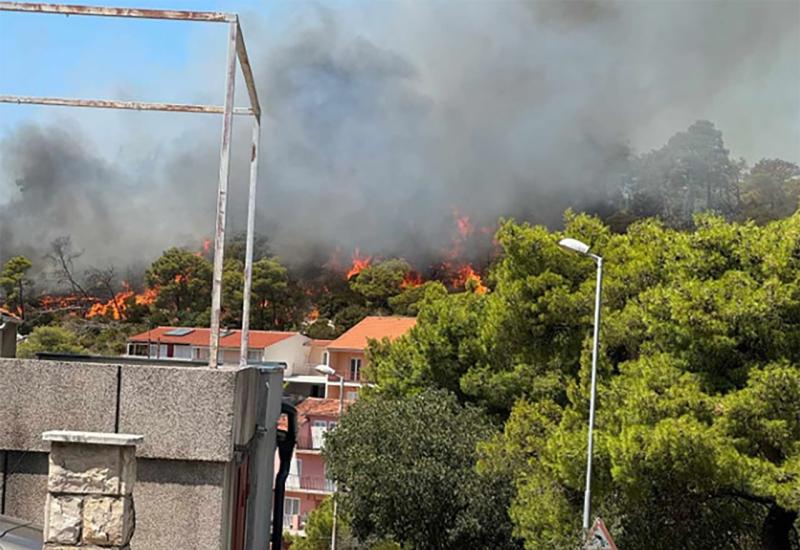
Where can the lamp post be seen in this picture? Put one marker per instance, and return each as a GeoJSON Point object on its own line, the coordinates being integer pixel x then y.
{"type": "Point", "coordinates": [583, 249]}
{"type": "Point", "coordinates": [325, 369]}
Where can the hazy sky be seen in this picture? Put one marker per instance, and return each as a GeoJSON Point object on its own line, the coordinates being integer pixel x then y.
{"type": "Point", "coordinates": [382, 117]}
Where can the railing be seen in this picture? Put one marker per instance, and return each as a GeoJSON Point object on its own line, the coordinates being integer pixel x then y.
{"type": "Point", "coordinates": [313, 439]}
{"type": "Point", "coordinates": [309, 483]}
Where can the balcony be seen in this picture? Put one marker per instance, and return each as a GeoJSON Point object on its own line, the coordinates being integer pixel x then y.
{"type": "Point", "coordinates": [313, 440]}
{"type": "Point", "coordinates": [295, 482]}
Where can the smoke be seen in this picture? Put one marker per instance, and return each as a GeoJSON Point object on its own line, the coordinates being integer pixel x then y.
{"type": "Point", "coordinates": [382, 120]}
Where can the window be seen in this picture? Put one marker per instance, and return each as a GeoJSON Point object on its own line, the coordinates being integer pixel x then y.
{"type": "Point", "coordinates": [291, 508]}
{"type": "Point", "coordinates": [182, 352]}
{"type": "Point", "coordinates": [325, 358]}
{"type": "Point", "coordinates": [138, 349]}
{"type": "Point", "coordinates": [355, 368]}
{"type": "Point", "coordinates": [253, 355]}
{"type": "Point", "coordinates": [332, 424]}
{"type": "Point", "coordinates": [318, 429]}
{"type": "Point", "coordinates": [351, 395]}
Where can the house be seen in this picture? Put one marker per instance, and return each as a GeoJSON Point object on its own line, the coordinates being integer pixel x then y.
{"type": "Point", "coordinates": [306, 381]}
{"type": "Point", "coordinates": [192, 344]}
{"type": "Point", "coordinates": [347, 354]}
{"type": "Point", "coordinates": [8, 333]}
{"type": "Point", "coordinates": [308, 484]}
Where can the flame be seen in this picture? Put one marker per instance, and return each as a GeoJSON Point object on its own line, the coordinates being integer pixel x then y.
{"type": "Point", "coordinates": [468, 279]}
{"type": "Point", "coordinates": [463, 224]}
{"type": "Point", "coordinates": [206, 245]}
{"type": "Point", "coordinates": [181, 278]}
{"type": "Point", "coordinates": [359, 263]}
{"type": "Point", "coordinates": [313, 314]}
{"type": "Point", "coordinates": [117, 307]}
{"type": "Point", "coordinates": [411, 280]}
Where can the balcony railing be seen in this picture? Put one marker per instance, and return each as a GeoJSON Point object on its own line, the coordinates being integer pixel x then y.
{"type": "Point", "coordinates": [313, 439]}
{"type": "Point", "coordinates": [309, 483]}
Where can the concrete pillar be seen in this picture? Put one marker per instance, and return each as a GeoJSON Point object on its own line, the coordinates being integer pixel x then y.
{"type": "Point", "coordinates": [90, 490]}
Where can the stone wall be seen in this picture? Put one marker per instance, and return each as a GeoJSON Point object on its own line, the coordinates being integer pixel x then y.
{"type": "Point", "coordinates": [90, 490]}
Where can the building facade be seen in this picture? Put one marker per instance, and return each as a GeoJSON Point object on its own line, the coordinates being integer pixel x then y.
{"type": "Point", "coordinates": [308, 483]}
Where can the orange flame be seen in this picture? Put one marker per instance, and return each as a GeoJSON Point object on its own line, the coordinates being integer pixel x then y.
{"type": "Point", "coordinates": [313, 314]}
{"type": "Point", "coordinates": [463, 224]}
{"type": "Point", "coordinates": [359, 263]}
{"type": "Point", "coordinates": [206, 245]}
{"type": "Point", "coordinates": [468, 279]}
{"type": "Point", "coordinates": [411, 280]}
{"type": "Point", "coordinates": [117, 307]}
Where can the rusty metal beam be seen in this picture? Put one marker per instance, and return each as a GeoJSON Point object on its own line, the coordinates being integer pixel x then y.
{"type": "Point", "coordinates": [222, 196]}
{"type": "Point", "coordinates": [102, 11]}
{"type": "Point", "coordinates": [115, 104]}
{"type": "Point", "coordinates": [247, 72]}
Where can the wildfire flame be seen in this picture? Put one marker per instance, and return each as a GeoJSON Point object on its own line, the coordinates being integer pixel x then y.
{"type": "Point", "coordinates": [463, 224]}
{"type": "Point", "coordinates": [117, 307]}
{"type": "Point", "coordinates": [411, 280]}
{"type": "Point", "coordinates": [359, 263]}
{"type": "Point", "coordinates": [468, 279]}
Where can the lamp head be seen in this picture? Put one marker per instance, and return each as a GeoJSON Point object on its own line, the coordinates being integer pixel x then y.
{"type": "Point", "coordinates": [574, 245]}
{"type": "Point", "coordinates": [325, 369]}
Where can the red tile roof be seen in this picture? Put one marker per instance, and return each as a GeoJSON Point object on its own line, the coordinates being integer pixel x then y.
{"type": "Point", "coordinates": [200, 337]}
{"type": "Point", "coordinates": [320, 343]}
{"type": "Point", "coordinates": [373, 328]}
{"type": "Point", "coordinates": [318, 406]}
{"type": "Point", "coordinates": [9, 315]}
{"type": "Point", "coordinates": [313, 406]}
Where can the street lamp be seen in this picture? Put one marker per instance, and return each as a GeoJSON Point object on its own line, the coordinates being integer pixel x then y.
{"type": "Point", "coordinates": [582, 248]}
{"type": "Point", "coordinates": [328, 371]}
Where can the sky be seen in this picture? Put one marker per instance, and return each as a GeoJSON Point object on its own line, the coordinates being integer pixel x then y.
{"type": "Point", "coordinates": [148, 60]}
{"type": "Point", "coordinates": [383, 117]}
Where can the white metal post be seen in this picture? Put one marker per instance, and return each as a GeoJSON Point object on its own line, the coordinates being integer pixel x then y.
{"type": "Point", "coordinates": [248, 261]}
{"type": "Point", "coordinates": [587, 498]}
{"type": "Point", "coordinates": [222, 196]}
{"type": "Point", "coordinates": [336, 483]}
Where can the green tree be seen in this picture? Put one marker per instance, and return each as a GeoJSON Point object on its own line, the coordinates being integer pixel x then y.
{"type": "Point", "coordinates": [409, 466]}
{"type": "Point", "coordinates": [407, 302]}
{"type": "Point", "coordinates": [770, 191]}
{"type": "Point", "coordinates": [183, 280]}
{"type": "Point", "coordinates": [318, 528]}
{"type": "Point", "coordinates": [270, 292]}
{"type": "Point", "coordinates": [232, 292]}
{"type": "Point", "coordinates": [15, 283]}
{"type": "Point", "coordinates": [697, 441]}
{"type": "Point", "coordinates": [349, 316]}
{"type": "Point", "coordinates": [50, 339]}
{"type": "Point", "coordinates": [693, 172]}
{"type": "Point", "coordinates": [379, 282]}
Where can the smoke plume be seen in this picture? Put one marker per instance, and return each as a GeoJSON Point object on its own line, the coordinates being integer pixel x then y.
{"type": "Point", "coordinates": [382, 121]}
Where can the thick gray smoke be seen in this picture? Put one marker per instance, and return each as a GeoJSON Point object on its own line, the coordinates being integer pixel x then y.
{"type": "Point", "coordinates": [385, 119]}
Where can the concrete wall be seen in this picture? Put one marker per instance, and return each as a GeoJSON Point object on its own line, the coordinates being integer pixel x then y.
{"type": "Point", "coordinates": [192, 419]}
{"type": "Point", "coordinates": [8, 340]}
{"type": "Point", "coordinates": [36, 396]}
{"type": "Point", "coordinates": [189, 494]}
{"type": "Point", "coordinates": [184, 413]}
{"type": "Point", "coordinates": [291, 351]}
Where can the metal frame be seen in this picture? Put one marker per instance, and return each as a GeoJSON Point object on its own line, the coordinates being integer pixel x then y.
{"type": "Point", "coordinates": [237, 55]}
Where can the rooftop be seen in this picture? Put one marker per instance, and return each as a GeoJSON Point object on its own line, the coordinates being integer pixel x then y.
{"type": "Point", "coordinates": [200, 337]}
{"type": "Point", "coordinates": [6, 315]}
{"type": "Point", "coordinates": [373, 328]}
